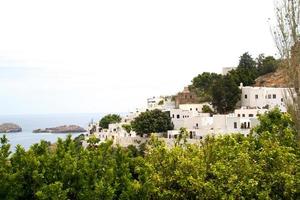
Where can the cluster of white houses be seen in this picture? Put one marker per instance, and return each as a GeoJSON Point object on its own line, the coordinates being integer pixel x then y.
{"type": "Point", "coordinates": [254, 101]}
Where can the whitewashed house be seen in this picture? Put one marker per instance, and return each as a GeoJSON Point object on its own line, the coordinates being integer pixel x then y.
{"type": "Point", "coordinates": [249, 112]}
{"type": "Point", "coordinates": [197, 108]}
{"type": "Point", "coordinates": [263, 97]}
{"type": "Point", "coordinates": [163, 103]}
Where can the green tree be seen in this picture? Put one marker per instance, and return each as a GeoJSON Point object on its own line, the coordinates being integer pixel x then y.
{"type": "Point", "coordinates": [266, 64]}
{"type": "Point", "coordinates": [127, 127]}
{"type": "Point", "coordinates": [52, 191]}
{"type": "Point", "coordinates": [204, 81]}
{"type": "Point", "coordinates": [109, 119]}
{"type": "Point", "coordinates": [153, 121]}
{"type": "Point", "coordinates": [246, 71]}
{"type": "Point", "coordinates": [225, 95]}
{"type": "Point", "coordinates": [207, 109]}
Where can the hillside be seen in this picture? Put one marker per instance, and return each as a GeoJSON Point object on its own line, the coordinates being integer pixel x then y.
{"type": "Point", "coordinates": [274, 79]}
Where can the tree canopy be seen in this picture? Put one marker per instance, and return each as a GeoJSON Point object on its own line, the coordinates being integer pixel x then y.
{"type": "Point", "coordinates": [109, 119]}
{"type": "Point", "coordinates": [225, 94]}
{"type": "Point", "coordinates": [152, 121]}
{"type": "Point", "coordinates": [266, 65]}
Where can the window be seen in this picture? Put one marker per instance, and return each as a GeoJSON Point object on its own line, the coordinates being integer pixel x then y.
{"type": "Point", "coordinates": [197, 125]}
{"type": "Point", "coordinates": [250, 115]}
{"type": "Point", "coordinates": [196, 109]}
{"type": "Point", "coordinates": [191, 96]}
{"type": "Point", "coordinates": [269, 96]}
{"type": "Point", "coordinates": [178, 116]}
{"type": "Point", "coordinates": [248, 124]}
{"type": "Point", "coordinates": [274, 96]}
{"type": "Point", "coordinates": [235, 125]}
{"type": "Point", "coordinates": [245, 96]}
{"type": "Point", "coordinates": [239, 115]}
{"type": "Point", "coordinates": [256, 96]}
{"type": "Point", "coordinates": [281, 99]}
{"type": "Point", "coordinates": [173, 116]}
{"type": "Point", "coordinates": [243, 115]}
{"type": "Point", "coordinates": [191, 109]}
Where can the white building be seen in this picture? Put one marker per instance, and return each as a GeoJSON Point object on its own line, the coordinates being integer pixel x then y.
{"type": "Point", "coordinates": [226, 70]}
{"type": "Point", "coordinates": [249, 112]}
{"type": "Point", "coordinates": [223, 124]}
{"type": "Point", "coordinates": [164, 103]}
{"type": "Point", "coordinates": [189, 119]}
{"type": "Point", "coordinates": [263, 97]}
{"type": "Point", "coordinates": [194, 107]}
{"type": "Point", "coordinates": [114, 131]}
{"type": "Point", "coordinates": [200, 126]}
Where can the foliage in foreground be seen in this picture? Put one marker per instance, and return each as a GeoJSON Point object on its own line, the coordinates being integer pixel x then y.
{"type": "Point", "coordinates": [264, 165]}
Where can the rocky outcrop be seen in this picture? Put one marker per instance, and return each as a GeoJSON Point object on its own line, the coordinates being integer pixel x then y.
{"type": "Point", "coordinates": [61, 129]}
{"type": "Point", "coordinates": [273, 79]}
{"type": "Point", "coordinates": [10, 128]}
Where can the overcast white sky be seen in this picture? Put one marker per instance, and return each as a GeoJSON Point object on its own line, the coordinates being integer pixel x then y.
{"type": "Point", "coordinates": [108, 56]}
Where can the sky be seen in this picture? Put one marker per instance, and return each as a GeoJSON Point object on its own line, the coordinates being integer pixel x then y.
{"type": "Point", "coordinates": [63, 56]}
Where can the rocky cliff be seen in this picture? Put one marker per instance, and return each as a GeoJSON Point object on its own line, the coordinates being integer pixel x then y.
{"type": "Point", "coordinates": [274, 79]}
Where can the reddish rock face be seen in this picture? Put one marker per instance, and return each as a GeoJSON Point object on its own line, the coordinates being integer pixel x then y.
{"type": "Point", "coordinates": [274, 79]}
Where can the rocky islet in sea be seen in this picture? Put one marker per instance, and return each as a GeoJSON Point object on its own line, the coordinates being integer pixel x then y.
{"type": "Point", "coordinates": [61, 129]}
{"type": "Point", "coordinates": [10, 128]}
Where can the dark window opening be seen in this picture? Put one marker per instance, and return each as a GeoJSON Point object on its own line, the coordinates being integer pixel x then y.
{"type": "Point", "coordinates": [235, 125]}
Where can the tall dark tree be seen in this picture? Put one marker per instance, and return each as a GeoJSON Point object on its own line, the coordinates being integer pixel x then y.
{"type": "Point", "coordinates": [202, 83]}
{"type": "Point", "coordinates": [225, 94]}
{"type": "Point", "coordinates": [246, 71]}
{"type": "Point", "coordinates": [247, 62]}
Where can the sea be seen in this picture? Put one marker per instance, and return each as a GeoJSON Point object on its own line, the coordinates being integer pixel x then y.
{"type": "Point", "coordinates": [30, 122]}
